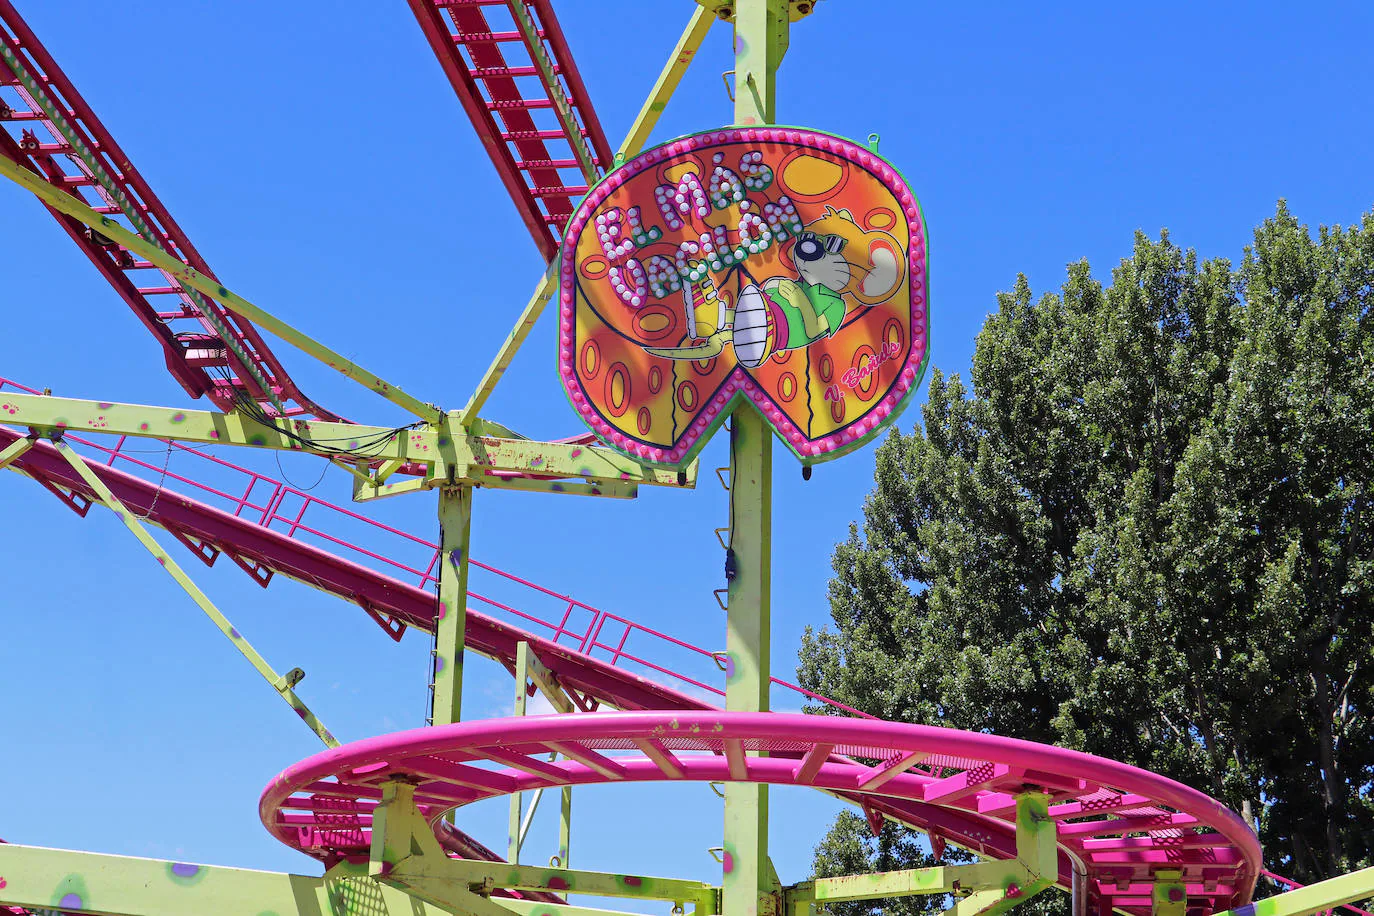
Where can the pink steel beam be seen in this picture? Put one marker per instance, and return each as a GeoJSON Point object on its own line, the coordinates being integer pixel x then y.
{"type": "Point", "coordinates": [246, 535]}
{"type": "Point", "coordinates": [262, 548]}
{"type": "Point", "coordinates": [710, 746]}
{"type": "Point", "coordinates": [190, 347]}
{"type": "Point", "coordinates": [256, 547]}
{"type": "Point", "coordinates": [484, 68]}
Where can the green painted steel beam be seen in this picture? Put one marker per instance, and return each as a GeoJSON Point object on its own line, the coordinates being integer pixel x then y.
{"type": "Point", "coordinates": [12, 451]}
{"type": "Point", "coordinates": [543, 292]}
{"type": "Point", "coordinates": [372, 490]}
{"type": "Point", "coordinates": [83, 882]}
{"type": "Point", "coordinates": [190, 277]}
{"type": "Point", "coordinates": [556, 459]}
{"type": "Point", "coordinates": [1035, 868]}
{"type": "Point", "coordinates": [939, 879]}
{"type": "Point", "coordinates": [1169, 896]}
{"type": "Point", "coordinates": [493, 875]}
{"type": "Point", "coordinates": [446, 447]}
{"type": "Point", "coordinates": [565, 828]}
{"type": "Point", "coordinates": [405, 854]}
{"type": "Point", "coordinates": [748, 888]}
{"type": "Point", "coordinates": [205, 426]}
{"type": "Point", "coordinates": [1314, 898]}
{"type": "Point", "coordinates": [667, 83]}
{"type": "Point", "coordinates": [515, 835]}
{"type": "Point", "coordinates": [282, 685]}
{"type": "Point", "coordinates": [611, 489]}
{"type": "Point", "coordinates": [455, 532]}
{"type": "Point", "coordinates": [547, 683]}
{"type": "Point", "coordinates": [984, 903]}
{"type": "Point", "coordinates": [536, 908]}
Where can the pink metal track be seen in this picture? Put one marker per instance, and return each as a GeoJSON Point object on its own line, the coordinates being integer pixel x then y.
{"type": "Point", "coordinates": [268, 528]}
{"type": "Point", "coordinates": [1121, 823]}
{"type": "Point", "coordinates": [495, 70]}
{"type": "Point", "coordinates": [195, 355]}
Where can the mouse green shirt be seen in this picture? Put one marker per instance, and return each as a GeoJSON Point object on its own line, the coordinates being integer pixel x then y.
{"type": "Point", "coordinates": [824, 300]}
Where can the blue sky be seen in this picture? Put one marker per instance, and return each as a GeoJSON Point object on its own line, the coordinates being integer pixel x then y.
{"type": "Point", "coordinates": [323, 167]}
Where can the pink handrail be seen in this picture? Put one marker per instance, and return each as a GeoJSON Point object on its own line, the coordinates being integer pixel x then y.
{"type": "Point", "coordinates": [635, 645]}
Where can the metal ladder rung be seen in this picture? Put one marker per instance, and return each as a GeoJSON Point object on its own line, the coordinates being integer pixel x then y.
{"type": "Point", "coordinates": [488, 38]}
{"type": "Point", "coordinates": [515, 136]}
{"type": "Point", "coordinates": [529, 164]}
{"type": "Point", "coordinates": [519, 104]}
{"type": "Point", "coordinates": [28, 116]}
{"type": "Point", "coordinates": [486, 73]}
{"type": "Point", "coordinates": [559, 191]}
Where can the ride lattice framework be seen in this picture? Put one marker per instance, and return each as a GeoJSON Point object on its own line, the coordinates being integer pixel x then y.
{"type": "Point", "coordinates": [378, 813]}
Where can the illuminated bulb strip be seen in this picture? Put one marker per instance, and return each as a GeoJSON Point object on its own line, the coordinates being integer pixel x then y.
{"type": "Point", "coordinates": [664, 278]}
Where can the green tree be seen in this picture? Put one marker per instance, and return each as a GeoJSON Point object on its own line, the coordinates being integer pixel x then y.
{"type": "Point", "coordinates": [1144, 533]}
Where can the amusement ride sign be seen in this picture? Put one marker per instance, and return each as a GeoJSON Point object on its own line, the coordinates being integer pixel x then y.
{"type": "Point", "coordinates": [780, 266]}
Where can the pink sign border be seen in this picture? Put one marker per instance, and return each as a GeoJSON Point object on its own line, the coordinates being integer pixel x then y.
{"type": "Point", "coordinates": [739, 385]}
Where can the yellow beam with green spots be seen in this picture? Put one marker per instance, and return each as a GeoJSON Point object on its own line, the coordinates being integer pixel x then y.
{"type": "Point", "coordinates": [12, 451]}
{"type": "Point", "coordinates": [190, 277]}
{"type": "Point", "coordinates": [1002, 884]}
{"type": "Point", "coordinates": [205, 426]}
{"type": "Point", "coordinates": [405, 854]}
{"type": "Point", "coordinates": [447, 447]}
{"type": "Point", "coordinates": [667, 83]}
{"type": "Point", "coordinates": [1314, 898]}
{"type": "Point", "coordinates": [282, 685]}
{"type": "Point", "coordinates": [40, 879]}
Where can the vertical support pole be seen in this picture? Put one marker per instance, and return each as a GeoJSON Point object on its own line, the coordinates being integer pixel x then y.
{"type": "Point", "coordinates": [761, 35]}
{"type": "Point", "coordinates": [455, 527]}
{"type": "Point", "coordinates": [1170, 895]}
{"type": "Point", "coordinates": [565, 829]}
{"type": "Point", "coordinates": [747, 875]}
{"type": "Point", "coordinates": [522, 677]}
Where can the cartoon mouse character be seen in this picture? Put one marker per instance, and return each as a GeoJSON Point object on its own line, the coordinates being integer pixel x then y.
{"type": "Point", "coordinates": [834, 258]}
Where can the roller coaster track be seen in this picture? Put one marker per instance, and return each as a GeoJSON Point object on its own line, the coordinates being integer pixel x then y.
{"type": "Point", "coordinates": [47, 126]}
{"type": "Point", "coordinates": [509, 64]}
{"type": "Point", "coordinates": [1113, 839]}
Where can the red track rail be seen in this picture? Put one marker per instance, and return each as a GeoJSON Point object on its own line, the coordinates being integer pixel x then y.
{"type": "Point", "coordinates": [600, 658]}
{"type": "Point", "coordinates": [191, 347]}
{"type": "Point", "coordinates": [514, 106]}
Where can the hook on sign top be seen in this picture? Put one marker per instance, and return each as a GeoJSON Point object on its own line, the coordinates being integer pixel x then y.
{"type": "Point", "coordinates": [779, 266]}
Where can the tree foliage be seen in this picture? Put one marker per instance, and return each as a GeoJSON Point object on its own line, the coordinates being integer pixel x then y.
{"type": "Point", "coordinates": [1144, 533]}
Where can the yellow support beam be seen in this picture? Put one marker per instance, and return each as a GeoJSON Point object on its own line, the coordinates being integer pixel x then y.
{"type": "Point", "coordinates": [543, 292]}
{"type": "Point", "coordinates": [447, 447]}
{"type": "Point", "coordinates": [667, 83]}
{"type": "Point", "coordinates": [190, 277]}
{"type": "Point", "coordinates": [12, 451]}
{"type": "Point", "coordinates": [282, 685]}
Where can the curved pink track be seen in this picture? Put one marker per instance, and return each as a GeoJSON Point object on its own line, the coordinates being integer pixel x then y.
{"type": "Point", "coordinates": [1118, 823]}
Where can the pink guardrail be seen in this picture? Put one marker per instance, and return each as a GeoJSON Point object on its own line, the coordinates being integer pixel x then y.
{"type": "Point", "coordinates": [292, 511]}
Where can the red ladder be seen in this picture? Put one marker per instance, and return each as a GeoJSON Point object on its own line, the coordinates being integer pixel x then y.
{"type": "Point", "coordinates": [47, 126]}
{"type": "Point", "coordinates": [510, 65]}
